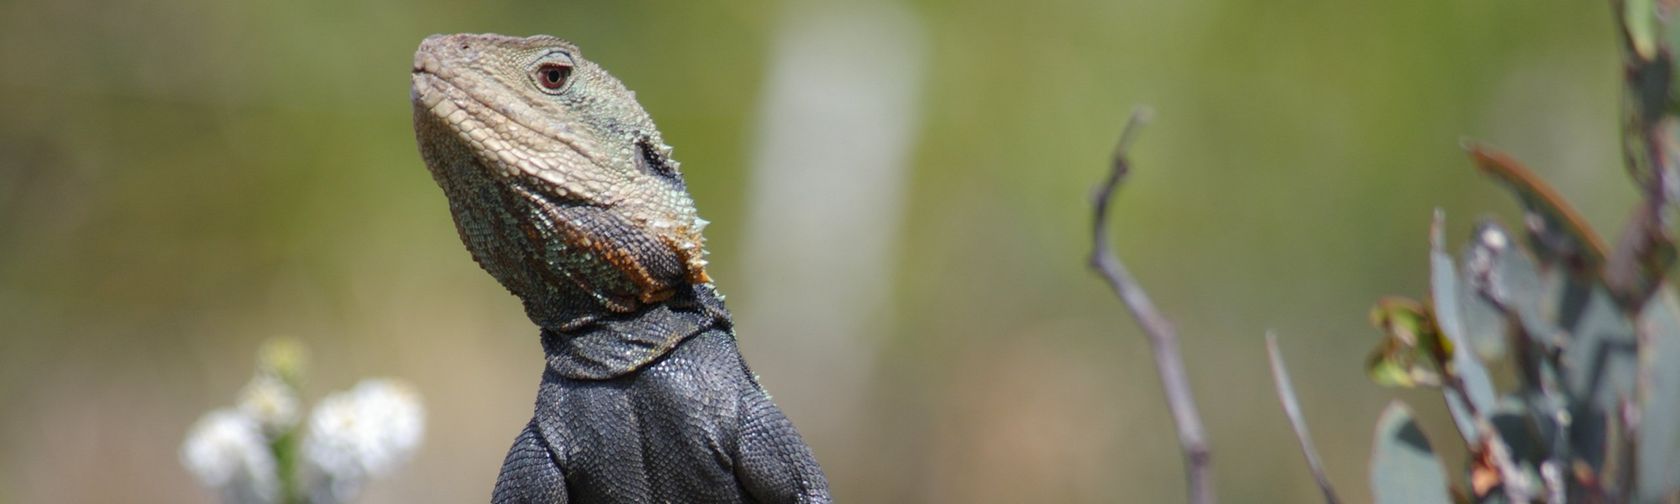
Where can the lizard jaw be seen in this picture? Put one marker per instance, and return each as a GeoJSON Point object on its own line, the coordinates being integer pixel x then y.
{"type": "Point", "coordinates": [530, 140]}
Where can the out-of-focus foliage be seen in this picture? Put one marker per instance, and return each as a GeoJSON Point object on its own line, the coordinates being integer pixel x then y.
{"type": "Point", "coordinates": [1414, 353]}
{"type": "Point", "coordinates": [1589, 332]}
{"type": "Point", "coordinates": [1403, 467]}
{"type": "Point", "coordinates": [181, 180]}
{"type": "Point", "coordinates": [1589, 374]}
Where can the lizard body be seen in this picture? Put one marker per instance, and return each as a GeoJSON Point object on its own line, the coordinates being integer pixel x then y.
{"type": "Point", "coordinates": [562, 188]}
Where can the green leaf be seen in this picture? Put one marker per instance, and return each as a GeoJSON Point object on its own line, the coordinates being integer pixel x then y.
{"type": "Point", "coordinates": [1462, 417]}
{"type": "Point", "coordinates": [1403, 467]}
{"type": "Point", "coordinates": [1528, 441]}
{"type": "Point", "coordinates": [1501, 291]}
{"type": "Point", "coordinates": [1640, 17]}
{"type": "Point", "coordinates": [1523, 441]}
{"type": "Point", "coordinates": [1600, 359]}
{"type": "Point", "coordinates": [1508, 281]}
{"type": "Point", "coordinates": [1598, 366]}
{"type": "Point", "coordinates": [1486, 325]}
{"type": "Point", "coordinates": [1412, 352]}
{"type": "Point", "coordinates": [1659, 398]}
{"type": "Point", "coordinates": [1548, 410]}
{"type": "Point", "coordinates": [1444, 286]}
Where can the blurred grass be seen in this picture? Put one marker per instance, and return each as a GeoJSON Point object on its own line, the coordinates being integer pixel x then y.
{"type": "Point", "coordinates": [181, 180]}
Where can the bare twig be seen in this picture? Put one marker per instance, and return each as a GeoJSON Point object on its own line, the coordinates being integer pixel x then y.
{"type": "Point", "coordinates": [1163, 339]}
{"type": "Point", "coordinates": [1292, 409]}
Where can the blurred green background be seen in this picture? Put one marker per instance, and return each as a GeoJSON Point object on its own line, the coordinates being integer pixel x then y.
{"type": "Point", "coordinates": [181, 180]}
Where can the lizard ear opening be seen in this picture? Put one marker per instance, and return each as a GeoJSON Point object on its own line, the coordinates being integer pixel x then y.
{"type": "Point", "coordinates": [653, 160]}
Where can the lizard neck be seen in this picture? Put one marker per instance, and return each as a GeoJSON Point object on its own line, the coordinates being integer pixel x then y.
{"type": "Point", "coordinates": [529, 243]}
{"type": "Point", "coordinates": [612, 346]}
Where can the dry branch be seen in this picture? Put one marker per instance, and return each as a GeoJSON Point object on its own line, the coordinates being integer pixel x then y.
{"type": "Point", "coordinates": [1163, 339]}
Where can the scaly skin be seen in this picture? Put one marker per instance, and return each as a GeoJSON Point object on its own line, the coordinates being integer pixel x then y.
{"type": "Point", "coordinates": [563, 190]}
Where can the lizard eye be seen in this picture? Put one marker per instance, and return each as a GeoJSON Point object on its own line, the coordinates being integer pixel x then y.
{"type": "Point", "coordinates": [553, 76]}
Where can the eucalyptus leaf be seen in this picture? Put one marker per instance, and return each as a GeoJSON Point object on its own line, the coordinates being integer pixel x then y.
{"type": "Point", "coordinates": [1444, 286]}
{"type": "Point", "coordinates": [1528, 441]}
{"type": "Point", "coordinates": [1659, 398]}
{"type": "Point", "coordinates": [1486, 325]}
{"type": "Point", "coordinates": [1404, 468]}
{"type": "Point", "coordinates": [1640, 17]}
{"type": "Point", "coordinates": [1600, 359]}
{"type": "Point", "coordinates": [1463, 417]}
{"type": "Point", "coordinates": [1443, 283]}
{"type": "Point", "coordinates": [1548, 411]}
{"type": "Point", "coordinates": [1502, 283]}
{"type": "Point", "coordinates": [1598, 366]}
{"type": "Point", "coordinates": [1484, 310]}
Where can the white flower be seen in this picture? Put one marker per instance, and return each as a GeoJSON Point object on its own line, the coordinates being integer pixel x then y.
{"type": "Point", "coordinates": [366, 431]}
{"type": "Point", "coordinates": [227, 451]}
{"type": "Point", "coordinates": [270, 401]}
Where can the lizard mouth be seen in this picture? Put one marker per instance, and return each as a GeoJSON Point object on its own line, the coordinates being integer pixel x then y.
{"type": "Point", "coordinates": [443, 98]}
{"type": "Point", "coordinates": [414, 85]}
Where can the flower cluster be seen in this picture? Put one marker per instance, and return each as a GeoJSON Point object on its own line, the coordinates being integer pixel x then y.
{"type": "Point", "coordinates": [365, 431]}
{"type": "Point", "coordinates": [251, 453]}
{"type": "Point", "coordinates": [227, 451]}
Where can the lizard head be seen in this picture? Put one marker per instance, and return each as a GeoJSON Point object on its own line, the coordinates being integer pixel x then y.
{"type": "Point", "coordinates": [554, 172]}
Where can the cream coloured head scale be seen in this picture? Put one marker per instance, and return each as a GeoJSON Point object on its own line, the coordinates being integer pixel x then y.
{"type": "Point", "coordinates": [543, 156]}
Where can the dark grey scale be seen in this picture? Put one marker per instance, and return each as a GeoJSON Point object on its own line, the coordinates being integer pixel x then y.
{"type": "Point", "coordinates": [640, 401]}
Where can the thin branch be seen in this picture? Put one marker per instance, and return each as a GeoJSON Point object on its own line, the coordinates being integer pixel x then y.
{"type": "Point", "coordinates": [1511, 478]}
{"type": "Point", "coordinates": [1292, 409]}
{"type": "Point", "coordinates": [1646, 251]}
{"type": "Point", "coordinates": [1484, 439]}
{"type": "Point", "coordinates": [1163, 340]}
